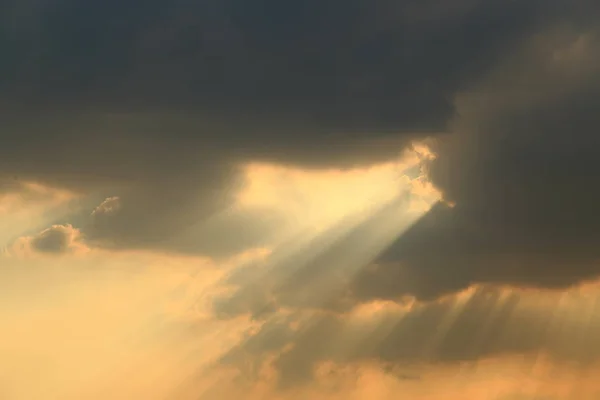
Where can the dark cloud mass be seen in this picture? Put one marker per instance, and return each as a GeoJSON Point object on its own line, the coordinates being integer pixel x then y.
{"type": "Point", "coordinates": [353, 65]}
{"type": "Point", "coordinates": [522, 167]}
{"type": "Point", "coordinates": [158, 102]}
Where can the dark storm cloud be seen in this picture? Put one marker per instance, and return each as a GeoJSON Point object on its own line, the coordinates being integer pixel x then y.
{"type": "Point", "coordinates": [311, 81]}
{"type": "Point", "coordinates": [522, 167]}
{"type": "Point", "coordinates": [355, 65]}
{"type": "Point", "coordinates": [156, 102]}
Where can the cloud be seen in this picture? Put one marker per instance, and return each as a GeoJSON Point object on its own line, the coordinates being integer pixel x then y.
{"type": "Point", "coordinates": [205, 130]}
{"type": "Point", "coordinates": [29, 207]}
{"type": "Point", "coordinates": [175, 97]}
{"type": "Point", "coordinates": [17, 196]}
{"type": "Point", "coordinates": [56, 240]}
{"type": "Point", "coordinates": [482, 323]}
{"type": "Point", "coordinates": [110, 206]}
{"type": "Point", "coordinates": [143, 223]}
{"type": "Point", "coordinates": [519, 166]}
{"type": "Point", "coordinates": [364, 67]}
{"type": "Point", "coordinates": [166, 121]}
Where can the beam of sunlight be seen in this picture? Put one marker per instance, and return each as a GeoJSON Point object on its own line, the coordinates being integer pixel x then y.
{"type": "Point", "coordinates": [340, 218]}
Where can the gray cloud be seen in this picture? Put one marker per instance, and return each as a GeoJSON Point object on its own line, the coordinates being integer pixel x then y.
{"type": "Point", "coordinates": [159, 102]}
{"type": "Point", "coordinates": [521, 166]}
{"type": "Point", "coordinates": [351, 65]}
{"type": "Point", "coordinates": [489, 323]}
{"type": "Point", "coordinates": [185, 226]}
{"type": "Point", "coordinates": [57, 239]}
{"type": "Point", "coordinates": [310, 82]}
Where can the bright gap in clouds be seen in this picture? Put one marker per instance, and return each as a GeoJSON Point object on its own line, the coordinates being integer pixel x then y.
{"type": "Point", "coordinates": [335, 222]}
{"type": "Point", "coordinates": [320, 198]}
{"type": "Point", "coordinates": [329, 203]}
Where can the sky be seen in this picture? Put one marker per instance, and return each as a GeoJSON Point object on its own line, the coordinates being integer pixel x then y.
{"type": "Point", "coordinates": [316, 199]}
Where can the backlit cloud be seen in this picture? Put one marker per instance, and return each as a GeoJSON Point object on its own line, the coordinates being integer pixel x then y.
{"type": "Point", "coordinates": [317, 199]}
{"type": "Point", "coordinates": [55, 240]}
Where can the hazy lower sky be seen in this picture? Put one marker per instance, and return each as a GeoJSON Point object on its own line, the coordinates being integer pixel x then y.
{"type": "Point", "coordinates": [289, 200]}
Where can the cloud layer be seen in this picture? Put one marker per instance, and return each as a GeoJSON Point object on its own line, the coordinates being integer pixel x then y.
{"type": "Point", "coordinates": [520, 166]}
{"type": "Point", "coordinates": [167, 106]}
{"type": "Point", "coordinates": [320, 134]}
